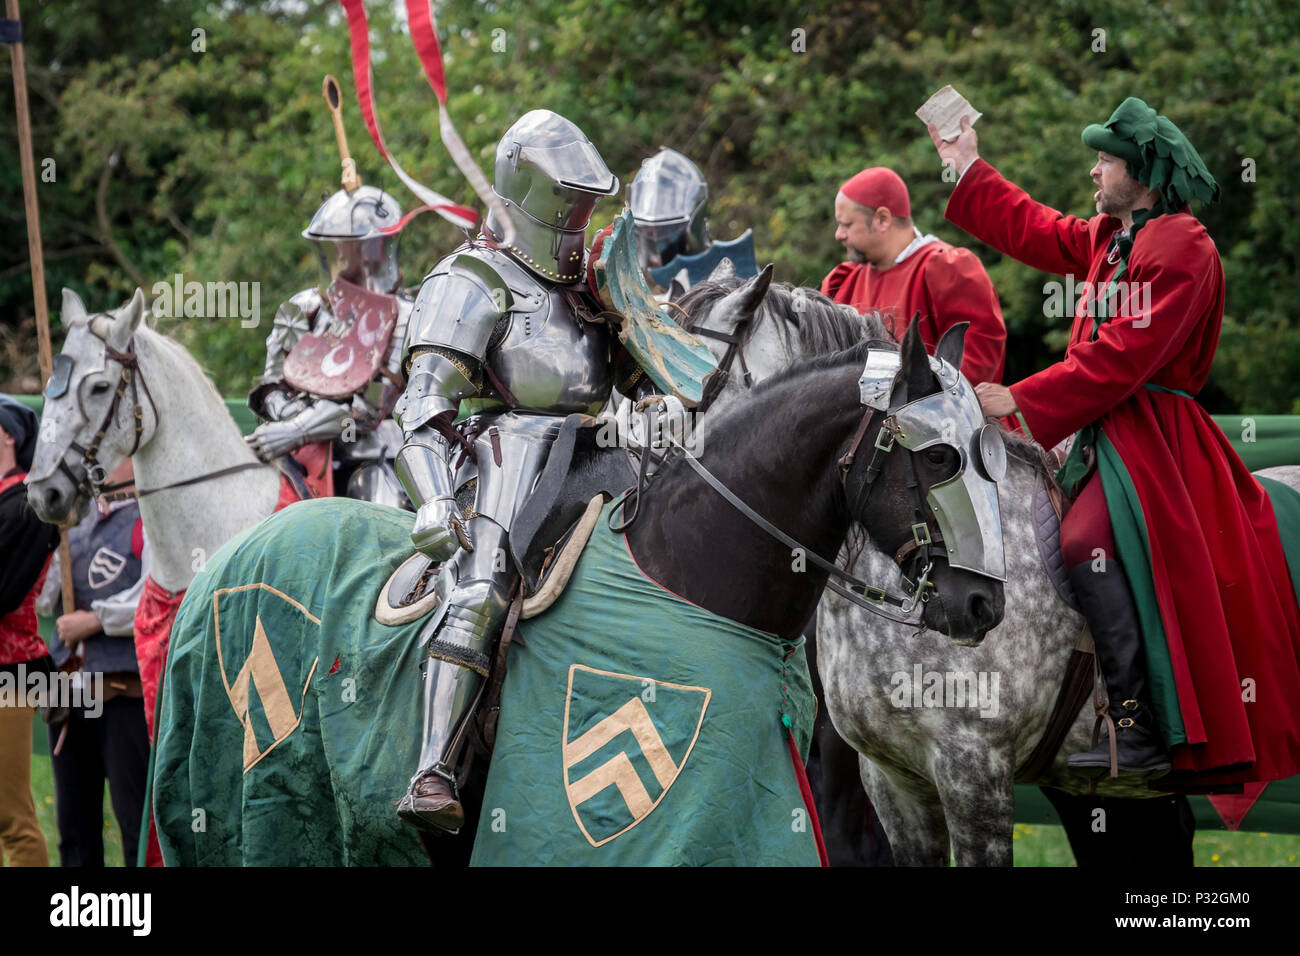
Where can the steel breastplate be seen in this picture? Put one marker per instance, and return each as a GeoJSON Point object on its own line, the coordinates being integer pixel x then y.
{"type": "Point", "coordinates": [548, 360]}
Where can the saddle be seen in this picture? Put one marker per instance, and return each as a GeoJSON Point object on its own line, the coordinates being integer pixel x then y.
{"type": "Point", "coordinates": [548, 533]}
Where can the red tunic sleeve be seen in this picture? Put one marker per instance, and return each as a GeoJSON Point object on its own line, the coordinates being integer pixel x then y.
{"type": "Point", "coordinates": [1185, 277]}
{"type": "Point", "coordinates": [957, 289]}
{"type": "Point", "coordinates": [835, 278]}
{"type": "Point", "coordinates": [1002, 215]}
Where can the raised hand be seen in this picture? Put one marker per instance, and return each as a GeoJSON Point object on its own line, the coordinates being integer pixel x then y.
{"type": "Point", "coordinates": [962, 151]}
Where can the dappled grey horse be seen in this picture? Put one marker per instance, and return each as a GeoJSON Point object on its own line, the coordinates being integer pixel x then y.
{"type": "Point", "coordinates": [941, 772]}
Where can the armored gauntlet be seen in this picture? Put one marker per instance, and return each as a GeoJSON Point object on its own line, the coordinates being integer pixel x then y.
{"type": "Point", "coordinates": [425, 473]}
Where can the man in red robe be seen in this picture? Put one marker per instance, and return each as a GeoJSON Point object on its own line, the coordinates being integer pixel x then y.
{"type": "Point", "coordinates": [1195, 622]}
{"type": "Point", "coordinates": [897, 272]}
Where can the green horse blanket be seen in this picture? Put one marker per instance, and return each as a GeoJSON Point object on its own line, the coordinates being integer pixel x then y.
{"type": "Point", "coordinates": [635, 727]}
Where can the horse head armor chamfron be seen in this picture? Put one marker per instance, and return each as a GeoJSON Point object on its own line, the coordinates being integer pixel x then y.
{"type": "Point", "coordinates": [965, 506]}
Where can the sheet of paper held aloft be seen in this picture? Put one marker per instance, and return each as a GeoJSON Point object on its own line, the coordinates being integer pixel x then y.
{"type": "Point", "coordinates": [945, 110]}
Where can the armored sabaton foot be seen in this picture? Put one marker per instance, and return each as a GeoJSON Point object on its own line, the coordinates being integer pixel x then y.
{"type": "Point", "coordinates": [457, 664]}
{"type": "Point", "coordinates": [431, 803]}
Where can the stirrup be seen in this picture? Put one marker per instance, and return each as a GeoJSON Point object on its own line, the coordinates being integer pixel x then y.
{"type": "Point", "coordinates": [1105, 754]}
{"type": "Point", "coordinates": [446, 816]}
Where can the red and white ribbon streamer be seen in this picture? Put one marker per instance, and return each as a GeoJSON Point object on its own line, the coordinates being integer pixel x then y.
{"type": "Point", "coordinates": [424, 36]}
{"type": "Point", "coordinates": [359, 30]}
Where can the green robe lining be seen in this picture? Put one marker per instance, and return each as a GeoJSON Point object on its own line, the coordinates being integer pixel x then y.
{"type": "Point", "coordinates": [1128, 524]}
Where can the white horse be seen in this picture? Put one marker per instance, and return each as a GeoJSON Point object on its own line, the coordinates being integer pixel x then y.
{"type": "Point", "coordinates": [168, 417]}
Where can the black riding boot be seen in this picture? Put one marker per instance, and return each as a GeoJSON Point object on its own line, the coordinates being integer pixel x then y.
{"type": "Point", "coordinates": [1108, 605]}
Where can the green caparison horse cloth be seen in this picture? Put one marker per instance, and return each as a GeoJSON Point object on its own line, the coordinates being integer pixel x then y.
{"type": "Point", "coordinates": [635, 727]}
{"type": "Point", "coordinates": [638, 728]}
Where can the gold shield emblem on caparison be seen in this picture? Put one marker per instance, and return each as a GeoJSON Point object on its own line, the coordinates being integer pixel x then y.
{"type": "Point", "coordinates": [258, 691]}
{"type": "Point", "coordinates": [626, 740]}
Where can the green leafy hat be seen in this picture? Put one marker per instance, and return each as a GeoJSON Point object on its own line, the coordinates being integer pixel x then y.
{"type": "Point", "coordinates": [1157, 153]}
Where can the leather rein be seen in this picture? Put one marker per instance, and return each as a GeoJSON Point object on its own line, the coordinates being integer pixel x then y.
{"type": "Point", "coordinates": [93, 475]}
{"type": "Point", "coordinates": [923, 544]}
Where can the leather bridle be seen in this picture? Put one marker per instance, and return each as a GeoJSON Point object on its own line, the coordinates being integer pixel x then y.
{"type": "Point", "coordinates": [925, 543]}
{"type": "Point", "coordinates": [735, 350]}
{"type": "Point", "coordinates": [718, 381]}
{"type": "Point", "coordinates": [91, 481]}
{"type": "Point", "coordinates": [93, 475]}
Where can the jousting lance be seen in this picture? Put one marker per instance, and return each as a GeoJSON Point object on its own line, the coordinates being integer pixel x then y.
{"type": "Point", "coordinates": [11, 33]}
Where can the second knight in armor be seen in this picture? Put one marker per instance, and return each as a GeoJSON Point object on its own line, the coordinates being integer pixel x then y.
{"type": "Point", "coordinates": [507, 333]}
{"type": "Point", "coordinates": [669, 201]}
{"type": "Point", "coordinates": [334, 358]}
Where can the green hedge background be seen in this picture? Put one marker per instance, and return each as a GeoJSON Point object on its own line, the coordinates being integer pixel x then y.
{"type": "Point", "coordinates": [166, 158]}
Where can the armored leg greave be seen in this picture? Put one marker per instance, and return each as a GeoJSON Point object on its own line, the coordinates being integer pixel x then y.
{"type": "Point", "coordinates": [475, 587]}
{"type": "Point", "coordinates": [1108, 605]}
{"type": "Point", "coordinates": [475, 595]}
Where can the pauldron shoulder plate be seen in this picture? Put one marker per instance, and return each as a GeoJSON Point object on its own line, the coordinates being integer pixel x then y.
{"type": "Point", "coordinates": [295, 318]}
{"type": "Point", "coordinates": [462, 302]}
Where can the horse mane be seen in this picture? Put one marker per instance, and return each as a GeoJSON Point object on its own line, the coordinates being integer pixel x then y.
{"type": "Point", "coordinates": [822, 324]}
{"type": "Point", "coordinates": [165, 343]}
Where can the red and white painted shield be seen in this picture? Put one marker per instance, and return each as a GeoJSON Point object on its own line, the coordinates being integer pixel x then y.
{"type": "Point", "coordinates": [341, 358]}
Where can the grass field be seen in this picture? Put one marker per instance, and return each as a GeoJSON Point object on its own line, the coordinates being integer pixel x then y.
{"type": "Point", "coordinates": [1046, 846]}
{"type": "Point", "coordinates": [43, 791]}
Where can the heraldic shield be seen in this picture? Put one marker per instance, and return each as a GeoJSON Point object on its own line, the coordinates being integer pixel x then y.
{"type": "Point", "coordinates": [626, 739]}
{"type": "Point", "coordinates": [266, 690]}
{"type": "Point", "coordinates": [337, 361]}
{"type": "Point", "coordinates": [678, 362]}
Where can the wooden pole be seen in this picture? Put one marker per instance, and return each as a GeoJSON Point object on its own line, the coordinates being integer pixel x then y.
{"type": "Point", "coordinates": [38, 260]}
{"type": "Point", "coordinates": [330, 88]}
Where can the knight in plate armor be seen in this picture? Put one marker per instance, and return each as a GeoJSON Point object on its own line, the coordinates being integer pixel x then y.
{"type": "Point", "coordinates": [508, 333]}
{"type": "Point", "coordinates": [669, 200]}
{"type": "Point", "coordinates": [333, 358]}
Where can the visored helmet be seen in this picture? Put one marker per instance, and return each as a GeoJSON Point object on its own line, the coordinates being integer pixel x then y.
{"type": "Point", "coordinates": [669, 200]}
{"type": "Point", "coordinates": [349, 233]}
{"type": "Point", "coordinates": [550, 178]}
